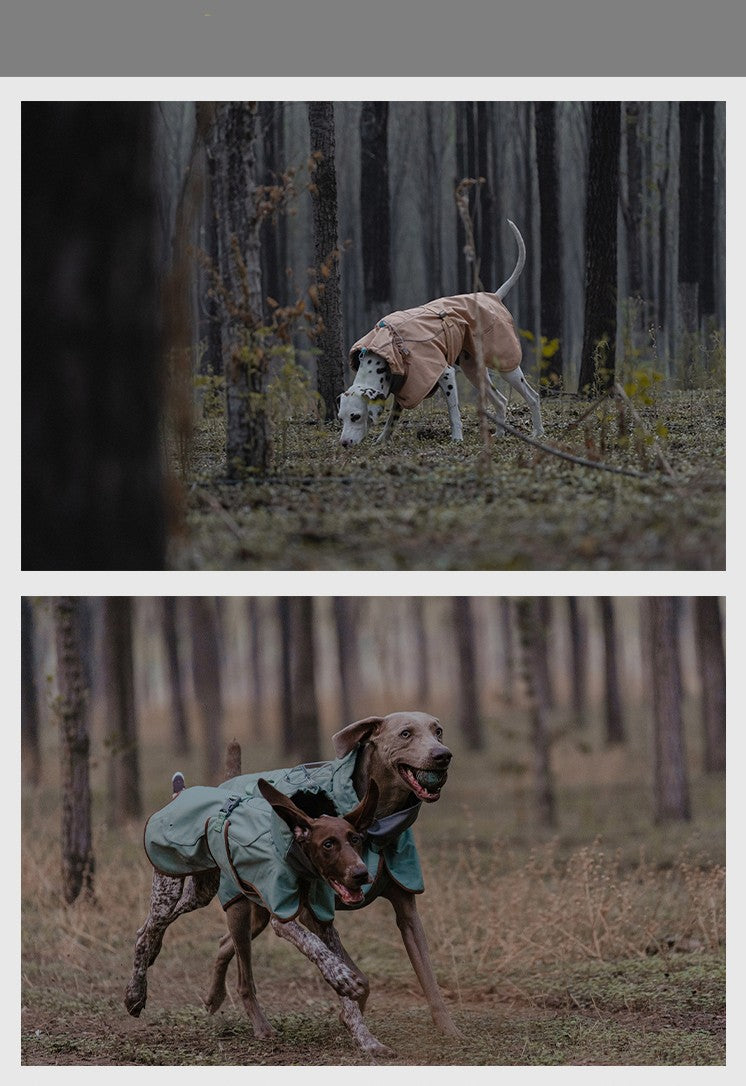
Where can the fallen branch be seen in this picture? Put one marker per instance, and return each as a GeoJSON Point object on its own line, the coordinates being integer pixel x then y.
{"type": "Point", "coordinates": [581, 460]}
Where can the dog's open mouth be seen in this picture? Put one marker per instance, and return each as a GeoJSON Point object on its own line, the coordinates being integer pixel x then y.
{"type": "Point", "coordinates": [347, 897]}
{"type": "Point", "coordinates": [425, 783]}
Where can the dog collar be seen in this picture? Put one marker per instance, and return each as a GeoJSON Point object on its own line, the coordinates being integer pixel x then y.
{"type": "Point", "coordinates": [384, 830]}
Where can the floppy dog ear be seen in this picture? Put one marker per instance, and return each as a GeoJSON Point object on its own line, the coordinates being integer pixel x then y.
{"type": "Point", "coordinates": [371, 393]}
{"type": "Point", "coordinates": [284, 807]}
{"type": "Point", "coordinates": [348, 737]}
{"type": "Point", "coordinates": [361, 817]}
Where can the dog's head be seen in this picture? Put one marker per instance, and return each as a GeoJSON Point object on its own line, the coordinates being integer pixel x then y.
{"type": "Point", "coordinates": [358, 407]}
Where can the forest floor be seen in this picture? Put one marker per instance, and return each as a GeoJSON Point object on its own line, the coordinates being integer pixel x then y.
{"type": "Point", "coordinates": [601, 941]}
{"type": "Point", "coordinates": [421, 502]}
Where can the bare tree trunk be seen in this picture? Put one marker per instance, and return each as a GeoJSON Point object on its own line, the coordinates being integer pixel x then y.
{"type": "Point", "coordinates": [255, 666]}
{"type": "Point", "coordinates": [470, 720]}
{"type": "Point", "coordinates": [345, 621]}
{"type": "Point", "coordinates": [420, 639]}
{"type": "Point", "coordinates": [533, 647]}
{"type": "Point", "coordinates": [206, 674]}
{"type": "Point", "coordinates": [612, 694]}
{"type": "Point", "coordinates": [633, 203]}
{"type": "Point", "coordinates": [72, 706]}
{"type": "Point", "coordinates": [124, 774]}
{"type": "Point", "coordinates": [374, 209]}
{"type": "Point", "coordinates": [551, 254]}
{"type": "Point", "coordinates": [305, 711]}
{"type": "Point", "coordinates": [326, 244]}
{"type": "Point", "coordinates": [171, 642]}
{"type": "Point", "coordinates": [598, 363]}
{"type": "Point", "coordinates": [284, 618]}
{"type": "Point", "coordinates": [577, 659]}
{"type": "Point", "coordinates": [91, 458]}
{"type": "Point", "coordinates": [671, 783]}
{"type": "Point", "coordinates": [711, 654]}
{"type": "Point", "coordinates": [505, 605]}
{"type": "Point", "coordinates": [543, 673]}
{"type": "Point", "coordinates": [30, 748]}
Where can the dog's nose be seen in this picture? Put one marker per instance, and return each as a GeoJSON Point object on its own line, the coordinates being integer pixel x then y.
{"type": "Point", "coordinates": [360, 876]}
{"type": "Point", "coordinates": [442, 757]}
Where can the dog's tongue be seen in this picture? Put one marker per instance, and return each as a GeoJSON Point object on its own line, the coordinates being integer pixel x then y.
{"type": "Point", "coordinates": [425, 783]}
{"type": "Point", "coordinates": [349, 897]}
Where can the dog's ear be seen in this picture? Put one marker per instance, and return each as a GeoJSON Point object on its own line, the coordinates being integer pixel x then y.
{"type": "Point", "coordinates": [284, 807]}
{"type": "Point", "coordinates": [362, 816]}
{"type": "Point", "coordinates": [371, 393]}
{"type": "Point", "coordinates": [348, 737]}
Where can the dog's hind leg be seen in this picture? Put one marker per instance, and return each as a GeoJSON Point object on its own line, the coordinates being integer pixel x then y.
{"type": "Point", "coordinates": [516, 379]}
{"type": "Point", "coordinates": [256, 918]}
{"type": "Point", "coordinates": [244, 921]}
{"type": "Point", "coordinates": [447, 385]}
{"type": "Point", "coordinates": [499, 402]}
{"type": "Point", "coordinates": [170, 898]}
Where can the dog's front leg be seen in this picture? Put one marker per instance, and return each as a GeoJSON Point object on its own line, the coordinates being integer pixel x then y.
{"type": "Point", "coordinates": [344, 980]}
{"type": "Point", "coordinates": [391, 421]}
{"type": "Point", "coordinates": [413, 936]}
{"type": "Point", "coordinates": [447, 385]}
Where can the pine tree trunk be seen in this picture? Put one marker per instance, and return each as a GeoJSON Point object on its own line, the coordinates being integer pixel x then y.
{"type": "Point", "coordinates": [91, 379]}
{"type": "Point", "coordinates": [77, 843]}
{"type": "Point", "coordinates": [285, 622]}
{"type": "Point", "coordinates": [345, 621]}
{"type": "Point", "coordinates": [30, 748]}
{"type": "Point", "coordinates": [577, 659]}
{"type": "Point", "coordinates": [532, 646]}
{"type": "Point", "coordinates": [711, 655]}
{"type": "Point", "coordinates": [612, 693]}
{"type": "Point", "coordinates": [633, 203]}
{"type": "Point", "coordinates": [171, 642]}
{"type": "Point", "coordinates": [329, 339]}
{"type": "Point", "coordinates": [206, 676]}
{"type": "Point", "coordinates": [374, 210]}
{"type": "Point", "coordinates": [551, 289]}
{"type": "Point", "coordinates": [671, 782]}
{"type": "Point", "coordinates": [470, 720]}
{"type": "Point", "coordinates": [598, 361]}
{"type": "Point", "coordinates": [305, 710]}
{"type": "Point", "coordinates": [255, 666]}
{"type": "Point", "coordinates": [124, 775]}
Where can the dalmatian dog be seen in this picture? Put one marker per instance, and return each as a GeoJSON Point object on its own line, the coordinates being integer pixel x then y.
{"type": "Point", "coordinates": [412, 354]}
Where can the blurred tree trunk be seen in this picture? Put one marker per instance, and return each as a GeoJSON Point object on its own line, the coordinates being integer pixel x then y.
{"type": "Point", "coordinates": [505, 606]}
{"type": "Point", "coordinates": [304, 707]}
{"type": "Point", "coordinates": [614, 715]}
{"type": "Point", "coordinates": [91, 377]}
{"type": "Point", "coordinates": [663, 315]}
{"type": "Point", "coordinates": [671, 784]}
{"type": "Point", "coordinates": [632, 205]}
{"type": "Point", "coordinates": [330, 379]}
{"type": "Point", "coordinates": [551, 289]}
{"type": "Point", "coordinates": [711, 655]}
{"type": "Point", "coordinates": [176, 684]}
{"type": "Point", "coordinates": [206, 677]}
{"type": "Point", "coordinates": [274, 230]}
{"type": "Point", "coordinates": [232, 159]}
{"type": "Point", "coordinates": [284, 618]}
{"type": "Point", "coordinates": [254, 623]}
{"type": "Point", "coordinates": [543, 671]}
{"type": "Point", "coordinates": [598, 362]}
{"type": "Point", "coordinates": [374, 210]}
{"type": "Point", "coordinates": [78, 862]}
{"type": "Point", "coordinates": [422, 664]}
{"type": "Point", "coordinates": [123, 794]}
{"type": "Point", "coordinates": [30, 748]}
{"type": "Point", "coordinates": [578, 649]}
{"type": "Point", "coordinates": [690, 219]}
{"type": "Point", "coordinates": [470, 720]}
{"type": "Point", "coordinates": [533, 646]}
{"type": "Point", "coordinates": [709, 230]}
{"type": "Point", "coordinates": [431, 198]}
{"type": "Point", "coordinates": [345, 622]}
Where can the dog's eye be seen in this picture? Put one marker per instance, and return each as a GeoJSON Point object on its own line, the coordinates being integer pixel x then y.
{"type": "Point", "coordinates": [328, 844]}
{"type": "Point", "coordinates": [355, 418]}
{"type": "Point", "coordinates": [355, 840]}
{"type": "Point", "coordinates": [405, 734]}
{"type": "Point", "coordinates": [438, 733]}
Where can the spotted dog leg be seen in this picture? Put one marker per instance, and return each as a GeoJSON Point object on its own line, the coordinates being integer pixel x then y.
{"type": "Point", "coordinates": [170, 898]}
{"type": "Point", "coordinates": [344, 980]}
{"type": "Point", "coordinates": [447, 385]}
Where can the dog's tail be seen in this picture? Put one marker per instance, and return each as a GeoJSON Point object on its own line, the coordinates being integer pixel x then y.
{"type": "Point", "coordinates": [503, 290]}
{"type": "Point", "coordinates": [233, 760]}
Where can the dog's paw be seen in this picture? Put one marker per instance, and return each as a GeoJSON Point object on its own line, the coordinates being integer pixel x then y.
{"type": "Point", "coordinates": [134, 1001]}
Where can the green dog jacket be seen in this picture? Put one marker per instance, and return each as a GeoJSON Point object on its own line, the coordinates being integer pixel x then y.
{"type": "Point", "coordinates": [232, 827]}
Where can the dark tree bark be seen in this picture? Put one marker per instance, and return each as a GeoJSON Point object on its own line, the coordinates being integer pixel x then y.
{"type": "Point", "coordinates": [91, 466]}
{"type": "Point", "coordinates": [274, 230]}
{"type": "Point", "coordinates": [690, 211]}
{"type": "Point", "coordinates": [329, 339]}
{"type": "Point", "coordinates": [533, 647]}
{"type": "Point", "coordinates": [420, 639]}
{"type": "Point", "coordinates": [470, 720]}
{"type": "Point", "coordinates": [505, 606]}
{"type": "Point", "coordinates": [374, 209]}
{"type": "Point", "coordinates": [284, 618]}
{"type": "Point", "coordinates": [711, 655]}
{"type": "Point", "coordinates": [123, 798]}
{"type": "Point", "coordinates": [598, 361]}
{"type": "Point", "coordinates": [233, 166]}
{"type": "Point", "coordinates": [543, 672]}
{"type": "Point", "coordinates": [207, 679]}
{"type": "Point", "coordinates": [433, 205]}
{"type": "Point", "coordinates": [614, 716]}
{"type": "Point", "coordinates": [551, 283]}
{"type": "Point", "coordinates": [345, 621]}
{"type": "Point", "coordinates": [709, 228]}
{"type": "Point", "coordinates": [78, 862]}
{"type": "Point", "coordinates": [578, 667]}
{"type": "Point", "coordinates": [671, 783]}
{"type": "Point", "coordinates": [633, 204]}
{"type": "Point", "coordinates": [30, 747]}
{"type": "Point", "coordinates": [171, 642]}
{"type": "Point", "coordinates": [255, 666]}
{"type": "Point", "coordinates": [305, 710]}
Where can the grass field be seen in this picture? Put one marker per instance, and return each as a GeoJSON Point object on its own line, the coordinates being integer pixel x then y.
{"type": "Point", "coordinates": [421, 502]}
{"type": "Point", "coordinates": [600, 942]}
